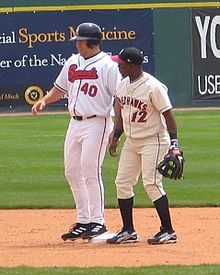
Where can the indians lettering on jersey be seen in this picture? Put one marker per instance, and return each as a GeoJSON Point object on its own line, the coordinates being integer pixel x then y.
{"type": "Point", "coordinates": [136, 103]}
{"type": "Point", "coordinates": [73, 74]}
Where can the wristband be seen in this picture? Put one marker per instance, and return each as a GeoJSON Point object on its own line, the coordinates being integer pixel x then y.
{"type": "Point", "coordinates": [173, 136]}
{"type": "Point", "coordinates": [174, 143]}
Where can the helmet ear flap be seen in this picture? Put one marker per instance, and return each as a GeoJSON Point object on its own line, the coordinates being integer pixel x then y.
{"type": "Point", "coordinates": [93, 43]}
{"type": "Point", "coordinates": [90, 44]}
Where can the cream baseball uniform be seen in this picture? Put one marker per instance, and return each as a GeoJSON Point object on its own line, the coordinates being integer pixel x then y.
{"type": "Point", "coordinates": [147, 140]}
{"type": "Point", "coordinates": [91, 85]}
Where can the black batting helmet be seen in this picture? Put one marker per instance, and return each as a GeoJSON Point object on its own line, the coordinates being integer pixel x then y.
{"type": "Point", "coordinates": [88, 31]}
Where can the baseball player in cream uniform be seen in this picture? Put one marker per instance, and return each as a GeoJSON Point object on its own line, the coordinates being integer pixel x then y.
{"type": "Point", "coordinates": [144, 113]}
{"type": "Point", "coordinates": [90, 79]}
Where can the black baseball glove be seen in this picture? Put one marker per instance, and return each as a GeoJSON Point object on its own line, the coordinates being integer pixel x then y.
{"type": "Point", "coordinates": [172, 165]}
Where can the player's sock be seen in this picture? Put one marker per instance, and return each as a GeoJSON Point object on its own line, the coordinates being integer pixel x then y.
{"type": "Point", "coordinates": [126, 209]}
{"type": "Point", "coordinates": [162, 207]}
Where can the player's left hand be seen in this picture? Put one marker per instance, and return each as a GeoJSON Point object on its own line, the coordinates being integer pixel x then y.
{"type": "Point", "coordinates": [174, 148]}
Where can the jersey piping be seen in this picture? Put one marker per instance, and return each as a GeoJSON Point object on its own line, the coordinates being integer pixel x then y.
{"type": "Point", "coordinates": [155, 165]}
{"type": "Point", "coordinates": [59, 88]}
{"type": "Point", "coordinates": [99, 161]}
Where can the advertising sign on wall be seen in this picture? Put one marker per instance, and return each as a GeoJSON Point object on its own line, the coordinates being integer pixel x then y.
{"type": "Point", "coordinates": [35, 45]}
{"type": "Point", "coordinates": [206, 53]}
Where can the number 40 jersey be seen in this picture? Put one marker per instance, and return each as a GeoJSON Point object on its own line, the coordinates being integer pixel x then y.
{"type": "Point", "coordinates": [90, 84]}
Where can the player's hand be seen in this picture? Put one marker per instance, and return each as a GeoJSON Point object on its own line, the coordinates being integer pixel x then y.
{"type": "Point", "coordinates": [113, 144]}
{"type": "Point", "coordinates": [174, 148]}
{"type": "Point", "coordinates": [38, 106]}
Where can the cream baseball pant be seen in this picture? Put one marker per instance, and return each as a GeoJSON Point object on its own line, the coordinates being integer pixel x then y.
{"type": "Point", "coordinates": [84, 151]}
{"type": "Point", "coordinates": [142, 155]}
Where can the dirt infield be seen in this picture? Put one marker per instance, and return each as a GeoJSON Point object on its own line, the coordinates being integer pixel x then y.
{"type": "Point", "coordinates": [32, 238]}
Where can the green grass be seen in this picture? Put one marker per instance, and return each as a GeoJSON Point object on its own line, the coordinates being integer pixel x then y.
{"type": "Point", "coordinates": [150, 270]}
{"type": "Point", "coordinates": [32, 162]}
{"type": "Point", "coordinates": [32, 174]}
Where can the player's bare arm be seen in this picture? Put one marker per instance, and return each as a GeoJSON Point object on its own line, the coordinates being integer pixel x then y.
{"type": "Point", "coordinates": [170, 121]}
{"type": "Point", "coordinates": [173, 161]}
{"type": "Point", "coordinates": [53, 95]}
{"type": "Point", "coordinates": [171, 127]}
{"type": "Point", "coordinates": [118, 129]}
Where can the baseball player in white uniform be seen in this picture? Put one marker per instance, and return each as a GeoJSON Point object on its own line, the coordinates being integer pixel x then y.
{"type": "Point", "coordinates": [89, 78]}
{"type": "Point", "coordinates": [144, 113]}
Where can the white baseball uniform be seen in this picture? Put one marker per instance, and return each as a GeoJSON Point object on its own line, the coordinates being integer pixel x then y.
{"type": "Point", "coordinates": [91, 85]}
{"type": "Point", "coordinates": [147, 140]}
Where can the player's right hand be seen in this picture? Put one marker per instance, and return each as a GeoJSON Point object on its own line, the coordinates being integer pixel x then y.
{"type": "Point", "coordinates": [38, 106]}
{"type": "Point", "coordinates": [113, 144]}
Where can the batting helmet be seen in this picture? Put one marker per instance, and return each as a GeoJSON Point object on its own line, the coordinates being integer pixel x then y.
{"type": "Point", "coordinates": [88, 31]}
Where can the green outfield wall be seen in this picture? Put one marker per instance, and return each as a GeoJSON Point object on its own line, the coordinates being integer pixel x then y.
{"type": "Point", "coordinates": [172, 39]}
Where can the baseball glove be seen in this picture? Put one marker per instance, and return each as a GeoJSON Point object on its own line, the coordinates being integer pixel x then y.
{"type": "Point", "coordinates": [172, 165]}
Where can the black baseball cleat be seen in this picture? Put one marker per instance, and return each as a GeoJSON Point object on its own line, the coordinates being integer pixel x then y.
{"type": "Point", "coordinates": [75, 232]}
{"type": "Point", "coordinates": [94, 230]}
{"type": "Point", "coordinates": [124, 237]}
{"type": "Point", "coordinates": [163, 237]}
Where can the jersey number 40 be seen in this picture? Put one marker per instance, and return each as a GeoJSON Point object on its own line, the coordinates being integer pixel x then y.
{"type": "Point", "coordinates": [90, 90]}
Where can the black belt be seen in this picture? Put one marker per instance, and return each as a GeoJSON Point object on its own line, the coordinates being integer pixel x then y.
{"type": "Point", "coordinates": [83, 117]}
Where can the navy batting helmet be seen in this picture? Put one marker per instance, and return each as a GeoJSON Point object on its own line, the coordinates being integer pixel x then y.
{"type": "Point", "coordinates": [88, 31]}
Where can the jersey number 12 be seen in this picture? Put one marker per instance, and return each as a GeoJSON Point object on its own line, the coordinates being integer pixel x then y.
{"type": "Point", "coordinates": [139, 116]}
